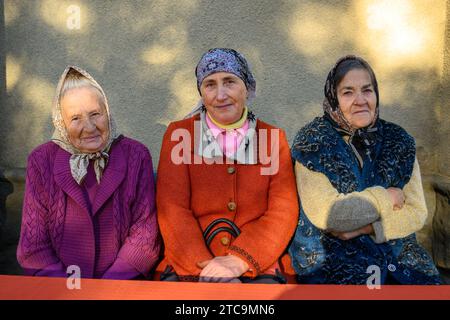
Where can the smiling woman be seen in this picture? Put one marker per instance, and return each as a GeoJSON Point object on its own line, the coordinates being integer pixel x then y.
{"type": "Point", "coordinates": [89, 199]}
{"type": "Point", "coordinates": [224, 96]}
{"type": "Point", "coordinates": [84, 115]}
{"type": "Point", "coordinates": [222, 219]}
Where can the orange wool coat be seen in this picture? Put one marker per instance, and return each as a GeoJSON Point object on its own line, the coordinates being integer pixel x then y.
{"type": "Point", "coordinates": [191, 196]}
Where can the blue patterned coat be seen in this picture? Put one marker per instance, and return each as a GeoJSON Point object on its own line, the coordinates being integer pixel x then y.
{"type": "Point", "coordinates": [318, 257]}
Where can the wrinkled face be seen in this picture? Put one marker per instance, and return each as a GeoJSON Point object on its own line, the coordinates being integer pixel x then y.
{"type": "Point", "coordinates": [357, 98]}
{"type": "Point", "coordinates": [85, 119]}
{"type": "Point", "coordinates": [224, 96]}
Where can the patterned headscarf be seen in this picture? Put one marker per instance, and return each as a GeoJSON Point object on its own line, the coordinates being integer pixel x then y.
{"type": "Point", "coordinates": [224, 60]}
{"type": "Point", "coordinates": [79, 161]}
{"type": "Point", "coordinates": [361, 140]}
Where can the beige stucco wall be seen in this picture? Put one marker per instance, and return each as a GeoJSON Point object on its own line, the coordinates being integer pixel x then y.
{"type": "Point", "coordinates": [144, 54]}
{"type": "Point", "coordinates": [444, 114]}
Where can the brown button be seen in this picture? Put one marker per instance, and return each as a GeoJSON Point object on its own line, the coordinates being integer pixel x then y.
{"type": "Point", "coordinates": [231, 206]}
{"type": "Point", "coordinates": [231, 170]}
{"type": "Point", "coordinates": [225, 241]}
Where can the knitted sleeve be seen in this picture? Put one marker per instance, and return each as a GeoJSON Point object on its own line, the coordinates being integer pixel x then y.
{"type": "Point", "coordinates": [183, 238]}
{"type": "Point", "coordinates": [141, 247]}
{"type": "Point", "coordinates": [35, 252]}
{"type": "Point", "coordinates": [121, 270]}
{"type": "Point", "coordinates": [395, 224]}
{"type": "Point", "coordinates": [328, 209]}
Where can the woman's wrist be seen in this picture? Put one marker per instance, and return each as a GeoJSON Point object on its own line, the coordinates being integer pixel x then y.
{"type": "Point", "coordinates": [243, 265]}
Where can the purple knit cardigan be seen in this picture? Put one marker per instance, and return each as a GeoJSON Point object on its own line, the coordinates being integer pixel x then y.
{"type": "Point", "coordinates": [114, 237]}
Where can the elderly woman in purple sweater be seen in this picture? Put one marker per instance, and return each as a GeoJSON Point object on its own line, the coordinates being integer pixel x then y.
{"type": "Point", "coordinates": [89, 196]}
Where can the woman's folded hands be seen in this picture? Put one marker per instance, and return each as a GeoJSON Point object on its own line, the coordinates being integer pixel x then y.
{"type": "Point", "coordinates": [222, 269]}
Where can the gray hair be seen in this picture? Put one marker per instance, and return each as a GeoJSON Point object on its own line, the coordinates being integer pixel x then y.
{"type": "Point", "coordinates": [76, 80]}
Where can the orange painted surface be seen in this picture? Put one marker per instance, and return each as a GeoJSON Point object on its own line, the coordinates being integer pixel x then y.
{"type": "Point", "coordinates": [26, 288]}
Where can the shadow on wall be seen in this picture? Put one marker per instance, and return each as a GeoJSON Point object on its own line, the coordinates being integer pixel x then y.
{"type": "Point", "coordinates": [2, 59]}
{"type": "Point", "coordinates": [441, 183]}
{"type": "Point", "coordinates": [144, 54]}
{"type": "Point", "coordinates": [4, 184]}
{"type": "Point", "coordinates": [8, 238]}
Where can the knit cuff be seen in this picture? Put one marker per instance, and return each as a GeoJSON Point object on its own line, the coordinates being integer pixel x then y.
{"type": "Point", "coordinates": [383, 201]}
{"type": "Point", "coordinates": [138, 257]}
{"type": "Point", "coordinates": [254, 267]}
{"type": "Point", "coordinates": [379, 232]}
{"type": "Point", "coordinates": [352, 213]}
{"type": "Point", "coordinates": [54, 270]}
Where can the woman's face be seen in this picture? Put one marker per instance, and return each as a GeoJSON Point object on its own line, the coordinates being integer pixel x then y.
{"type": "Point", "coordinates": [85, 119]}
{"type": "Point", "coordinates": [357, 98]}
{"type": "Point", "coordinates": [224, 96]}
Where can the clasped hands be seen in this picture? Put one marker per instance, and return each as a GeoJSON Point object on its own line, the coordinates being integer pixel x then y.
{"type": "Point", "coordinates": [228, 268]}
{"type": "Point", "coordinates": [222, 269]}
{"type": "Point", "coordinates": [398, 199]}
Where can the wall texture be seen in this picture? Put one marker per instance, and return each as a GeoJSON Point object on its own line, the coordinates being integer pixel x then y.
{"type": "Point", "coordinates": [144, 53]}
{"type": "Point", "coordinates": [444, 115]}
{"type": "Point", "coordinates": [441, 183]}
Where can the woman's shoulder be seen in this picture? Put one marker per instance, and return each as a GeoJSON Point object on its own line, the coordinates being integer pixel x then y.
{"type": "Point", "coordinates": [260, 124]}
{"type": "Point", "coordinates": [41, 159]}
{"type": "Point", "coordinates": [318, 124]}
{"type": "Point", "coordinates": [397, 144]}
{"type": "Point", "coordinates": [130, 145]}
{"type": "Point", "coordinates": [317, 132]}
{"type": "Point", "coordinates": [187, 123]}
{"type": "Point", "coordinates": [44, 152]}
{"type": "Point", "coordinates": [395, 131]}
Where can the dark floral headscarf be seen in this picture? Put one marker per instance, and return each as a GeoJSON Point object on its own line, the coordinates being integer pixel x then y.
{"type": "Point", "coordinates": [361, 140]}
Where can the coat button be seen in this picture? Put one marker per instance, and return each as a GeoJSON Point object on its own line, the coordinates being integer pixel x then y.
{"type": "Point", "coordinates": [231, 170]}
{"type": "Point", "coordinates": [225, 241]}
{"type": "Point", "coordinates": [231, 206]}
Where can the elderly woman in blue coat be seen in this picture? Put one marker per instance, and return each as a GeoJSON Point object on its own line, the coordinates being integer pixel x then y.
{"type": "Point", "coordinates": [360, 189]}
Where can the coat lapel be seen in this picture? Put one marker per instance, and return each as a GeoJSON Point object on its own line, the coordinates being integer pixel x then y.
{"type": "Point", "coordinates": [64, 179]}
{"type": "Point", "coordinates": [112, 177]}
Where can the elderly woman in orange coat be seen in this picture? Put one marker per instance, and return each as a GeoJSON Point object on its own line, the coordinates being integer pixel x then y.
{"type": "Point", "coordinates": [226, 193]}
